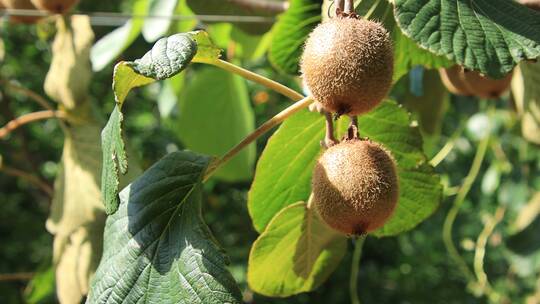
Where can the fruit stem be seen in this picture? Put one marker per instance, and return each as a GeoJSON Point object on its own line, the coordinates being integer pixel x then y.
{"type": "Point", "coordinates": [352, 131]}
{"type": "Point", "coordinates": [265, 127]}
{"type": "Point", "coordinates": [340, 7]}
{"type": "Point", "coordinates": [269, 83]}
{"type": "Point", "coordinates": [329, 138]}
{"type": "Point", "coordinates": [349, 7]}
{"type": "Point", "coordinates": [458, 202]}
{"type": "Point", "coordinates": [355, 266]}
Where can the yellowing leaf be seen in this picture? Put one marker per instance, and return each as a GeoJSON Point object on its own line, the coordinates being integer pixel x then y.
{"type": "Point", "coordinates": [70, 72]}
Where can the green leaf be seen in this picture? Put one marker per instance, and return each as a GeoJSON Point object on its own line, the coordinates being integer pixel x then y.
{"type": "Point", "coordinates": [157, 247]}
{"type": "Point", "coordinates": [41, 288]}
{"type": "Point", "coordinates": [155, 28]}
{"type": "Point", "coordinates": [484, 35]}
{"type": "Point", "coordinates": [114, 160]}
{"type": "Point", "coordinates": [296, 253]}
{"type": "Point", "coordinates": [113, 44]}
{"type": "Point", "coordinates": [216, 114]}
{"type": "Point", "coordinates": [283, 174]}
{"type": "Point", "coordinates": [125, 79]}
{"type": "Point", "coordinates": [207, 51]}
{"type": "Point", "coordinates": [168, 57]}
{"type": "Point", "coordinates": [290, 32]}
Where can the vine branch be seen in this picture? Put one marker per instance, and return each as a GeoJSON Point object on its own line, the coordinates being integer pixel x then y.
{"type": "Point", "coordinates": [32, 179]}
{"type": "Point", "coordinates": [267, 126]}
{"type": "Point", "coordinates": [28, 93]}
{"type": "Point", "coordinates": [446, 149]}
{"type": "Point", "coordinates": [28, 118]}
{"type": "Point", "coordinates": [480, 252]}
{"type": "Point", "coordinates": [458, 202]}
{"type": "Point", "coordinates": [21, 276]}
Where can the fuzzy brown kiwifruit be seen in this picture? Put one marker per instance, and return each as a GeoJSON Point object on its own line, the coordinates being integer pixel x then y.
{"type": "Point", "coordinates": [454, 80]}
{"type": "Point", "coordinates": [55, 6]}
{"type": "Point", "coordinates": [471, 83]}
{"type": "Point", "coordinates": [355, 186]}
{"type": "Point", "coordinates": [23, 5]}
{"type": "Point", "coordinates": [348, 64]}
{"type": "Point", "coordinates": [486, 87]}
{"type": "Point", "coordinates": [533, 4]}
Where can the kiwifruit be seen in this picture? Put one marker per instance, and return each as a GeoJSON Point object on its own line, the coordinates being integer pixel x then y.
{"type": "Point", "coordinates": [471, 83]}
{"type": "Point", "coordinates": [348, 64]}
{"type": "Point", "coordinates": [533, 4]}
{"type": "Point", "coordinates": [355, 186]}
{"type": "Point", "coordinates": [454, 80]}
{"type": "Point", "coordinates": [23, 5]}
{"type": "Point", "coordinates": [485, 87]}
{"type": "Point", "coordinates": [55, 6]}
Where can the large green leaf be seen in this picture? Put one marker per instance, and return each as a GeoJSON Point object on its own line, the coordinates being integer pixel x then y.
{"type": "Point", "coordinates": [290, 32]}
{"type": "Point", "coordinates": [113, 44]}
{"type": "Point", "coordinates": [490, 36]}
{"type": "Point", "coordinates": [212, 121]}
{"type": "Point", "coordinates": [168, 57]}
{"type": "Point", "coordinates": [283, 174]}
{"type": "Point", "coordinates": [157, 248]}
{"type": "Point", "coordinates": [407, 54]}
{"type": "Point", "coordinates": [296, 253]}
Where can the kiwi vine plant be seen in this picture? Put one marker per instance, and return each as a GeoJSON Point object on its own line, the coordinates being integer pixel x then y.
{"type": "Point", "coordinates": [270, 151]}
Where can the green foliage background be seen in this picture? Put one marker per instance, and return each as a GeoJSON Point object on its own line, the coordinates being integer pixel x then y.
{"type": "Point", "coordinates": [413, 267]}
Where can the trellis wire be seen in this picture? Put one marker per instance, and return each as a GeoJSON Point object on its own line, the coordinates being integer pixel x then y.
{"type": "Point", "coordinates": [118, 19]}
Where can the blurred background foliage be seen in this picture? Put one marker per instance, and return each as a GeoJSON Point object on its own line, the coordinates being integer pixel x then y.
{"type": "Point", "coordinates": [411, 268]}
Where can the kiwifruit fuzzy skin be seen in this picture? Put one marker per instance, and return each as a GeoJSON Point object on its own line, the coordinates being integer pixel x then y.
{"type": "Point", "coordinates": [21, 4]}
{"type": "Point", "coordinates": [55, 6]}
{"type": "Point", "coordinates": [454, 80]}
{"type": "Point", "coordinates": [348, 65]}
{"type": "Point", "coordinates": [485, 87]}
{"type": "Point", "coordinates": [355, 186]}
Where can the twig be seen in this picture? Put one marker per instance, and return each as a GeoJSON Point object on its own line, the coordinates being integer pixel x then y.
{"type": "Point", "coordinates": [21, 276]}
{"type": "Point", "coordinates": [263, 5]}
{"type": "Point", "coordinates": [28, 118]}
{"type": "Point", "coordinates": [28, 93]}
{"type": "Point", "coordinates": [446, 149]}
{"type": "Point", "coordinates": [458, 202]}
{"type": "Point", "coordinates": [267, 126]}
{"type": "Point", "coordinates": [33, 179]}
{"type": "Point", "coordinates": [355, 266]}
{"type": "Point", "coordinates": [480, 253]}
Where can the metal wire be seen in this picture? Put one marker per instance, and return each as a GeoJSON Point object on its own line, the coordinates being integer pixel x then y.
{"type": "Point", "coordinates": [118, 19]}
